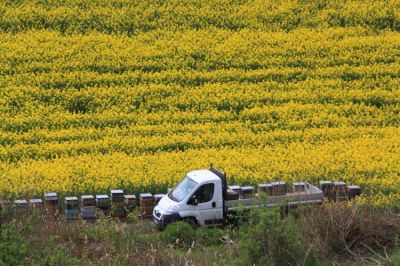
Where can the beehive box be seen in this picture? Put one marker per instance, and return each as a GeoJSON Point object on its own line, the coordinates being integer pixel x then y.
{"type": "Point", "coordinates": [299, 187]}
{"type": "Point", "coordinates": [146, 204]}
{"type": "Point", "coordinates": [353, 191]}
{"type": "Point", "coordinates": [235, 188]}
{"type": "Point", "coordinates": [88, 212]}
{"type": "Point", "coordinates": [88, 207]}
{"type": "Point", "coordinates": [326, 186]}
{"type": "Point", "coordinates": [117, 197]}
{"type": "Point", "coordinates": [157, 198]}
{"type": "Point", "coordinates": [21, 206]}
{"type": "Point", "coordinates": [278, 188]}
{"type": "Point", "coordinates": [88, 201]}
{"type": "Point", "coordinates": [51, 202]}
{"type": "Point", "coordinates": [71, 202]}
{"type": "Point", "coordinates": [339, 187]}
{"type": "Point", "coordinates": [36, 205]}
{"type": "Point", "coordinates": [71, 208]}
{"type": "Point", "coordinates": [119, 211]}
{"type": "Point", "coordinates": [246, 192]}
{"type": "Point", "coordinates": [265, 188]}
{"type": "Point", "coordinates": [118, 203]}
{"type": "Point", "coordinates": [231, 194]}
{"type": "Point", "coordinates": [103, 202]}
{"type": "Point", "coordinates": [340, 190]}
{"type": "Point", "coordinates": [130, 201]}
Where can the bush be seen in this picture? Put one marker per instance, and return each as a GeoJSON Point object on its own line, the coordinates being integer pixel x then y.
{"type": "Point", "coordinates": [13, 248]}
{"type": "Point", "coordinates": [59, 256]}
{"type": "Point", "coordinates": [350, 228]}
{"type": "Point", "coordinates": [311, 235]}
{"type": "Point", "coordinates": [269, 239]}
{"type": "Point", "coordinates": [179, 234]}
{"type": "Point", "coordinates": [208, 236]}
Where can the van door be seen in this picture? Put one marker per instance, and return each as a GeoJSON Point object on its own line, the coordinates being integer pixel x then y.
{"type": "Point", "coordinates": [209, 205]}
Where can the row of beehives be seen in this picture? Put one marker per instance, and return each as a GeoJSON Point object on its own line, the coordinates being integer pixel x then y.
{"type": "Point", "coordinates": [338, 191]}
{"type": "Point", "coordinates": [87, 206]}
{"type": "Point", "coordinates": [271, 189]}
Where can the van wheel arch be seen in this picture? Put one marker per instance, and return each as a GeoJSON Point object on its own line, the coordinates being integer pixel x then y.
{"type": "Point", "coordinates": [192, 221]}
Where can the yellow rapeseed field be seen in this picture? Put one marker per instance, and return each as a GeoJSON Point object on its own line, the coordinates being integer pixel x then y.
{"type": "Point", "coordinates": [133, 94]}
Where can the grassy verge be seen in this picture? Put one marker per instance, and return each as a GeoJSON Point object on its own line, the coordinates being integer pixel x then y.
{"type": "Point", "coordinates": [345, 234]}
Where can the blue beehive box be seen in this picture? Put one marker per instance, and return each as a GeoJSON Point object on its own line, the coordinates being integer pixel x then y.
{"type": "Point", "coordinates": [88, 207]}
{"type": "Point", "coordinates": [71, 208]}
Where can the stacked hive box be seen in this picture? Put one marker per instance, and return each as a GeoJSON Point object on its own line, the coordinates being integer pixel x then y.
{"type": "Point", "coordinates": [103, 203]}
{"type": "Point", "coordinates": [51, 202]}
{"type": "Point", "coordinates": [299, 187]}
{"type": "Point", "coordinates": [146, 204]}
{"type": "Point", "coordinates": [118, 203]}
{"type": "Point", "coordinates": [36, 205]}
{"type": "Point", "coordinates": [231, 194]}
{"type": "Point", "coordinates": [71, 208]}
{"type": "Point", "coordinates": [235, 188]}
{"type": "Point", "coordinates": [278, 188]}
{"type": "Point", "coordinates": [328, 189]}
{"type": "Point", "coordinates": [88, 207]}
{"type": "Point", "coordinates": [157, 198]}
{"type": "Point", "coordinates": [130, 202]}
{"type": "Point", "coordinates": [246, 192]}
{"type": "Point", "coordinates": [21, 207]}
{"type": "Point", "coordinates": [265, 188]}
{"type": "Point", "coordinates": [353, 191]}
{"type": "Point", "coordinates": [340, 190]}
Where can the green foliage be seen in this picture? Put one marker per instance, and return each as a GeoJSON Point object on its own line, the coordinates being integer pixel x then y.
{"type": "Point", "coordinates": [81, 104]}
{"type": "Point", "coordinates": [134, 215]}
{"type": "Point", "coordinates": [178, 234]}
{"type": "Point", "coordinates": [209, 236]}
{"type": "Point", "coordinates": [395, 257]}
{"type": "Point", "coordinates": [269, 239]}
{"type": "Point", "coordinates": [59, 256]}
{"type": "Point", "coordinates": [265, 237]}
{"type": "Point", "coordinates": [13, 248]}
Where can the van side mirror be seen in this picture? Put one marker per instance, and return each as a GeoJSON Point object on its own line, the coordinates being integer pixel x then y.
{"type": "Point", "coordinates": [193, 200]}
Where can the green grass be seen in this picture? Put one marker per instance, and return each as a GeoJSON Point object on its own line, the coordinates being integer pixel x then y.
{"type": "Point", "coordinates": [304, 237]}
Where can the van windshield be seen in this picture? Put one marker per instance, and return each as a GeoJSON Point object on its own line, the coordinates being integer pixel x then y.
{"type": "Point", "coordinates": [182, 190]}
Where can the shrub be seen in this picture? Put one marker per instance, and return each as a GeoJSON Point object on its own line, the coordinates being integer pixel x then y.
{"type": "Point", "coordinates": [208, 236]}
{"type": "Point", "coordinates": [59, 256]}
{"type": "Point", "coordinates": [269, 239]}
{"type": "Point", "coordinates": [13, 249]}
{"type": "Point", "coordinates": [350, 229]}
{"type": "Point", "coordinates": [179, 234]}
